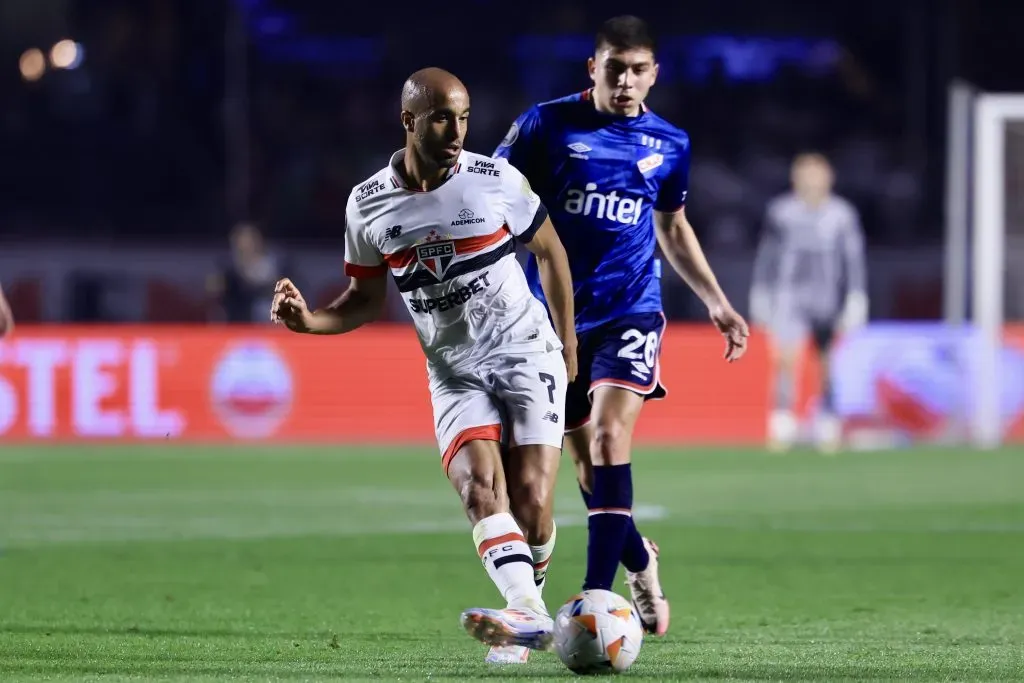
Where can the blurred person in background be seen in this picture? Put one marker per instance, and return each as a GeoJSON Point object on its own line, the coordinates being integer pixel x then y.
{"type": "Point", "coordinates": [243, 283]}
{"type": "Point", "coordinates": [6, 319]}
{"type": "Point", "coordinates": [809, 280]}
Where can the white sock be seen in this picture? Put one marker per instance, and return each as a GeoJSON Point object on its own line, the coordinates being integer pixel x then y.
{"type": "Point", "coordinates": [507, 559]}
{"type": "Point", "coordinates": [541, 559]}
{"type": "Point", "coordinates": [783, 427]}
{"type": "Point", "coordinates": [829, 429]}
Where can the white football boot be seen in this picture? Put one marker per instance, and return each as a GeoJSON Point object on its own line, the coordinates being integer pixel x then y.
{"type": "Point", "coordinates": [648, 598]}
{"type": "Point", "coordinates": [517, 654]}
{"type": "Point", "coordinates": [507, 654]}
{"type": "Point", "coordinates": [526, 627]}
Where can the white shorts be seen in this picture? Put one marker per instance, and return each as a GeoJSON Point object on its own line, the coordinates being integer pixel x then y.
{"type": "Point", "coordinates": [513, 399]}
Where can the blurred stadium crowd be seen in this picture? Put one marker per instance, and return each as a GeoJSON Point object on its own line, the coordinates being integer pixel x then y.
{"type": "Point", "coordinates": [177, 120]}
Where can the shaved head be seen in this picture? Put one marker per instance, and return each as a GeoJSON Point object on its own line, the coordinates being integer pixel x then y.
{"type": "Point", "coordinates": [435, 115]}
{"type": "Point", "coordinates": [429, 87]}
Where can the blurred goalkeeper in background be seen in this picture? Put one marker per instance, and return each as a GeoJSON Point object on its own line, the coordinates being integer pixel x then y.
{"type": "Point", "coordinates": [809, 281]}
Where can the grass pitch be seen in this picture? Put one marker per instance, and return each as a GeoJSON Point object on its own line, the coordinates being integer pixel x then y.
{"type": "Point", "coordinates": [177, 563]}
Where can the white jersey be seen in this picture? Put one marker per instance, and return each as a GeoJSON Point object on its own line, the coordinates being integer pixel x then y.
{"type": "Point", "coordinates": [451, 252]}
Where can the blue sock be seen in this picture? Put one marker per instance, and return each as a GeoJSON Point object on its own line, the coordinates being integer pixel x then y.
{"type": "Point", "coordinates": [586, 496]}
{"type": "Point", "coordinates": [609, 517]}
{"type": "Point", "coordinates": [634, 553]}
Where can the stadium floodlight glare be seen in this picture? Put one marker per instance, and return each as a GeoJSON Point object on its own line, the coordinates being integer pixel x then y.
{"type": "Point", "coordinates": [66, 54]}
{"type": "Point", "coordinates": [32, 64]}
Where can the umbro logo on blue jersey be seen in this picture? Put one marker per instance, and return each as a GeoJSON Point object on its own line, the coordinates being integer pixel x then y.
{"type": "Point", "coordinates": [579, 150]}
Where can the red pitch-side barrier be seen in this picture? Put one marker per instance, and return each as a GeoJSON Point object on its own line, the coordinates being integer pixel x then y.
{"type": "Point", "coordinates": [219, 384]}
{"type": "Point", "coordinates": [213, 384]}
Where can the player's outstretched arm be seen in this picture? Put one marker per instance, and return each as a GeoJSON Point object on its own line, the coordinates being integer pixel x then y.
{"type": "Point", "coordinates": [680, 245]}
{"type": "Point", "coordinates": [556, 280]}
{"type": "Point", "coordinates": [361, 303]}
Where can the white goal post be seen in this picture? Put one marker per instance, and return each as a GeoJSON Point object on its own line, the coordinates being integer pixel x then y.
{"type": "Point", "coordinates": [979, 178]}
{"type": "Point", "coordinates": [992, 114]}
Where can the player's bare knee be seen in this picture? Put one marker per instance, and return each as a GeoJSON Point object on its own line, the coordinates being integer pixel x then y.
{"type": "Point", "coordinates": [610, 443]}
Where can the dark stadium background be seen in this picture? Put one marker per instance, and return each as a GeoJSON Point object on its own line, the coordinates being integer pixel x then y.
{"type": "Point", "coordinates": [185, 117]}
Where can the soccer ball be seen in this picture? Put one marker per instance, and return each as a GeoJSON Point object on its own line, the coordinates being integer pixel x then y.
{"type": "Point", "coordinates": [597, 631]}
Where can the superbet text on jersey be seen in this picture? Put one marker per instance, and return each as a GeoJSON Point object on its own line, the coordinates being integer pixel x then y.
{"type": "Point", "coordinates": [451, 252]}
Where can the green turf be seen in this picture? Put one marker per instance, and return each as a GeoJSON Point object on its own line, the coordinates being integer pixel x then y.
{"type": "Point", "coordinates": [176, 563]}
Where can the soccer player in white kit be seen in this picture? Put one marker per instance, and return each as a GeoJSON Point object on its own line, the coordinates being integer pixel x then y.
{"type": "Point", "coordinates": [445, 223]}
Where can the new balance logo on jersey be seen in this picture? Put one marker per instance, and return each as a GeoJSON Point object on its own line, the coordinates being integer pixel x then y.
{"type": "Point", "coordinates": [551, 417]}
{"type": "Point", "coordinates": [578, 150]}
{"type": "Point", "coordinates": [436, 257]}
{"type": "Point", "coordinates": [393, 232]}
{"type": "Point", "coordinates": [482, 167]}
{"type": "Point", "coordinates": [467, 217]}
{"type": "Point", "coordinates": [590, 202]}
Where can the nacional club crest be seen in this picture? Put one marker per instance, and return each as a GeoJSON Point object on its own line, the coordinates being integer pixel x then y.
{"type": "Point", "coordinates": [436, 255]}
{"type": "Point", "coordinates": [651, 162]}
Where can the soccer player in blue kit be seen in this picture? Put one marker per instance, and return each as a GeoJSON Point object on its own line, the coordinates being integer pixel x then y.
{"type": "Point", "coordinates": [614, 177]}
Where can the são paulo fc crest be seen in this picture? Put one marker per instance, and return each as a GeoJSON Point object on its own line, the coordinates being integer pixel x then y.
{"type": "Point", "coordinates": [436, 257]}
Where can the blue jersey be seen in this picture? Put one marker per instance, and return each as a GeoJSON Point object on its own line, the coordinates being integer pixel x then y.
{"type": "Point", "coordinates": [601, 177]}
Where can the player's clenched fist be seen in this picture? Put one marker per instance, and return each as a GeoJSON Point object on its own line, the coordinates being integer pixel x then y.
{"type": "Point", "coordinates": [289, 308]}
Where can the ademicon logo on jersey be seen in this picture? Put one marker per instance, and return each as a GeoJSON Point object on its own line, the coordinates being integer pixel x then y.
{"type": "Point", "coordinates": [608, 205]}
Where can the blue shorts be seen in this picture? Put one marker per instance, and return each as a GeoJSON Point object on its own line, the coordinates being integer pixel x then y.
{"type": "Point", "coordinates": [622, 353]}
